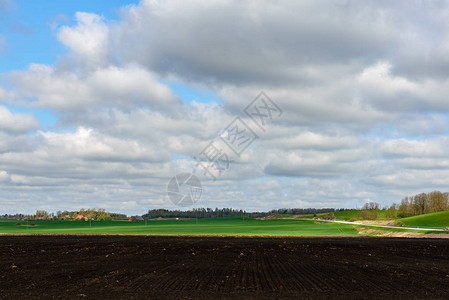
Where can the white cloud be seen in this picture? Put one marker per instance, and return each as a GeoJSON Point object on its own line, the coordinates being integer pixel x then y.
{"type": "Point", "coordinates": [421, 148]}
{"type": "Point", "coordinates": [86, 144]}
{"type": "Point", "coordinates": [4, 176]}
{"type": "Point", "coordinates": [363, 87]}
{"type": "Point", "coordinates": [249, 39]}
{"type": "Point", "coordinates": [378, 79]}
{"type": "Point", "coordinates": [88, 39]}
{"type": "Point", "coordinates": [16, 122]}
{"type": "Point", "coordinates": [112, 86]}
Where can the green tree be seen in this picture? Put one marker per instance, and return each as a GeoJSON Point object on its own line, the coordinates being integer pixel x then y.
{"type": "Point", "coordinates": [42, 215]}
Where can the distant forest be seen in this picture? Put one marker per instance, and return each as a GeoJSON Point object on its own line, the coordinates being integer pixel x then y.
{"type": "Point", "coordinates": [229, 212]}
{"type": "Point", "coordinates": [423, 203]}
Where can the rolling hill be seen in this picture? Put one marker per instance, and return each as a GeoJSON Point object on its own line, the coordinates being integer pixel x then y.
{"type": "Point", "coordinates": [438, 219]}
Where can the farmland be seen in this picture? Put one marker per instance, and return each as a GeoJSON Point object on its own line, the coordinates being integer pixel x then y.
{"type": "Point", "coordinates": [216, 226]}
{"type": "Point", "coordinates": [218, 257]}
{"type": "Point", "coordinates": [236, 226]}
{"type": "Point", "coordinates": [169, 267]}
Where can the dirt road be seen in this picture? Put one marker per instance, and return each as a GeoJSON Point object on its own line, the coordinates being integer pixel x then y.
{"type": "Point", "coordinates": [388, 226]}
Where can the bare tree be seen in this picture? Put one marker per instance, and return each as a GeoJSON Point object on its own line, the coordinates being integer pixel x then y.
{"type": "Point", "coordinates": [371, 206]}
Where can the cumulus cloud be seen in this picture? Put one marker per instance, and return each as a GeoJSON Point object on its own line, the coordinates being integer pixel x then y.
{"type": "Point", "coordinates": [363, 87]}
{"type": "Point", "coordinates": [124, 87]}
{"type": "Point", "coordinates": [16, 123]}
{"type": "Point", "coordinates": [86, 144]}
{"type": "Point", "coordinates": [88, 40]}
{"type": "Point", "coordinates": [421, 148]}
{"type": "Point", "coordinates": [250, 38]}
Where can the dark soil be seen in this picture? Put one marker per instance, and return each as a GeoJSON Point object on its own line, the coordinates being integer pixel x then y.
{"type": "Point", "coordinates": [153, 267]}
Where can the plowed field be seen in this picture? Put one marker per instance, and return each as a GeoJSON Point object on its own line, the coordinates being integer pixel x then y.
{"type": "Point", "coordinates": [137, 267]}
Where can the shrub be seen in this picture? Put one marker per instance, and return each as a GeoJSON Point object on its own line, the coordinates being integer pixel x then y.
{"type": "Point", "coordinates": [368, 215]}
{"type": "Point", "coordinates": [352, 220]}
{"type": "Point", "coordinates": [402, 214]}
{"type": "Point", "coordinates": [329, 216]}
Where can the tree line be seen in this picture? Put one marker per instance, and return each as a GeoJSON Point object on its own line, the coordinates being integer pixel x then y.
{"type": "Point", "coordinates": [229, 212]}
{"type": "Point", "coordinates": [83, 214]}
{"type": "Point", "coordinates": [423, 203]}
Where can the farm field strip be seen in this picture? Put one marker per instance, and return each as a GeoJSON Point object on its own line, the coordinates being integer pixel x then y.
{"type": "Point", "coordinates": [226, 226]}
{"type": "Point", "coordinates": [207, 267]}
{"type": "Point", "coordinates": [219, 226]}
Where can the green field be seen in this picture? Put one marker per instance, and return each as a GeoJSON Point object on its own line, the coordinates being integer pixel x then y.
{"type": "Point", "coordinates": [347, 215]}
{"type": "Point", "coordinates": [217, 226]}
{"type": "Point", "coordinates": [439, 219]}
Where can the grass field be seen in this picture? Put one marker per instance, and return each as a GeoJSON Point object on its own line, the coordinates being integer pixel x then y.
{"type": "Point", "coordinates": [348, 215]}
{"type": "Point", "coordinates": [218, 226]}
{"type": "Point", "coordinates": [439, 219]}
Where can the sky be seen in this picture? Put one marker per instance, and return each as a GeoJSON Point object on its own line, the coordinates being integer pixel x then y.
{"type": "Point", "coordinates": [269, 104]}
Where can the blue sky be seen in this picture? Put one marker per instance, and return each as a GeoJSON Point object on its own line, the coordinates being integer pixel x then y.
{"type": "Point", "coordinates": [29, 29]}
{"type": "Point", "coordinates": [29, 35]}
{"type": "Point", "coordinates": [190, 94]}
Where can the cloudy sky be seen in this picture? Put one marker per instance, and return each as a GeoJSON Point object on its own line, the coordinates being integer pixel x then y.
{"type": "Point", "coordinates": [103, 102]}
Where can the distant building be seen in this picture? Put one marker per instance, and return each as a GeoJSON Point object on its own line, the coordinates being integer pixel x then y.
{"type": "Point", "coordinates": [135, 218]}
{"type": "Point", "coordinates": [81, 217]}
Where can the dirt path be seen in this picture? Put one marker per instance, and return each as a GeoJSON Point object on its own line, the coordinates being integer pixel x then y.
{"type": "Point", "coordinates": [383, 233]}
{"type": "Point", "coordinates": [136, 267]}
{"type": "Point", "coordinates": [388, 226]}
